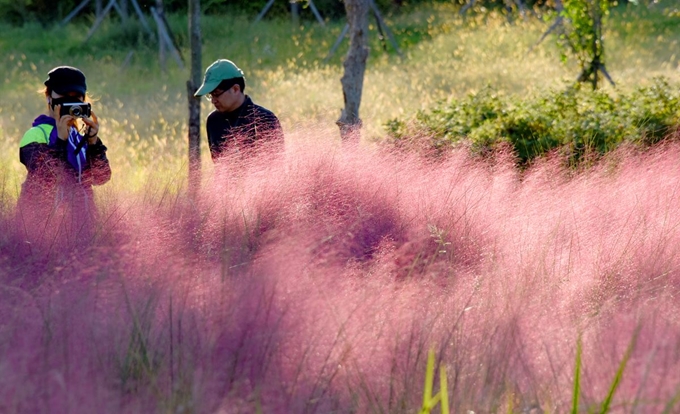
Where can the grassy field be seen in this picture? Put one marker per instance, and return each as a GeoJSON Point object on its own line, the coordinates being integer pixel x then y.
{"type": "Point", "coordinates": [317, 282]}
{"type": "Point", "coordinates": [444, 56]}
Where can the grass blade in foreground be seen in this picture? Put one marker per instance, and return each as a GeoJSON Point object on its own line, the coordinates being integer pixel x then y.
{"type": "Point", "coordinates": [619, 373]}
{"type": "Point", "coordinates": [429, 400]}
{"type": "Point", "coordinates": [577, 377]}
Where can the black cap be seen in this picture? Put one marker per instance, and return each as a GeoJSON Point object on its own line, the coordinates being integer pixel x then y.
{"type": "Point", "coordinates": [65, 79]}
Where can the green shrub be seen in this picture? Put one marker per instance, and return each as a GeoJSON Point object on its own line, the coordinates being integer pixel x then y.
{"type": "Point", "coordinates": [575, 121]}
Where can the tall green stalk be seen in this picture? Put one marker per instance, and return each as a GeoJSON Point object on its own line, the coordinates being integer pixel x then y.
{"type": "Point", "coordinates": [619, 373]}
{"type": "Point", "coordinates": [577, 377]}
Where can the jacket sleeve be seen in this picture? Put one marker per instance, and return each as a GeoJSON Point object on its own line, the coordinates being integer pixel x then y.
{"type": "Point", "coordinates": [99, 171]}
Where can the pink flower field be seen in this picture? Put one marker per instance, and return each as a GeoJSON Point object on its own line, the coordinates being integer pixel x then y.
{"type": "Point", "coordinates": [317, 282]}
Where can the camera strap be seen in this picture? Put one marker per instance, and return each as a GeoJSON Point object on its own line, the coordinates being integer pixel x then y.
{"type": "Point", "coordinates": [80, 144]}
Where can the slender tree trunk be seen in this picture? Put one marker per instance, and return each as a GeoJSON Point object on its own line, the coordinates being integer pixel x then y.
{"type": "Point", "coordinates": [162, 56]}
{"type": "Point", "coordinates": [124, 9]}
{"type": "Point", "coordinates": [597, 41]}
{"type": "Point", "coordinates": [98, 7]}
{"type": "Point", "coordinates": [355, 67]}
{"type": "Point", "coordinates": [295, 14]}
{"type": "Point", "coordinates": [194, 103]}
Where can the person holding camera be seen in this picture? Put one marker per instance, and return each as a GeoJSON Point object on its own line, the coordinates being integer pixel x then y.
{"type": "Point", "coordinates": [62, 152]}
{"type": "Point", "coordinates": [237, 125]}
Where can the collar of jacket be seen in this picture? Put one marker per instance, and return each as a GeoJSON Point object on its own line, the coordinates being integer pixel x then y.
{"type": "Point", "coordinates": [241, 112]}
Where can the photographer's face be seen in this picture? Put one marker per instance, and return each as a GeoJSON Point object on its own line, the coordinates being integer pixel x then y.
{"type": "Point", "coordinates": [54, 111]}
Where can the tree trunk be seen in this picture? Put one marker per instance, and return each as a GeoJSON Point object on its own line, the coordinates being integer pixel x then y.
{"type": "Point", "coordinates": [597, 41]}
{"type": "Point", "coordinates": [161, 45]}
{"type": "Point", "coordinates": [295, 14]}
{"type": "Point", "coordinates": [194, 103]}
{"type": "Point", "coordinates": [355, 67]}
{"type": "Point", "coordinates": [124, 9]}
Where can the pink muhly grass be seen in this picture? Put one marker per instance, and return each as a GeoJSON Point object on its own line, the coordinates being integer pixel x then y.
{"type": "Point", "coordinates": [317, 281]}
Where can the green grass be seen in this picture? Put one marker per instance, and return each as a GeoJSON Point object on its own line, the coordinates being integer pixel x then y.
{"type": "Point", "coordinates": [143, 110]}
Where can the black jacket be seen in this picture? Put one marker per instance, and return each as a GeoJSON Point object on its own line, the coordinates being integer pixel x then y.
{"type": "Point", "coordinates": [242, 130]}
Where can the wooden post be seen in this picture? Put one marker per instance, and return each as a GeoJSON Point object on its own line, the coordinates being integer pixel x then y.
{"type": "Point", "coordinates": [164, 36]}
{"type": "Point", "coordinates": [559, 8]}
{"type": "Point", "coordinates": [295, 14]}
{"type": "Point", "coordinates": [383, 26]}
{"type": "Point", "coordinates": [74, 12]}
{"type": "Point", "coordinates": [127, 60]}
{"type": "Point", "coordinates": [142, 19]}
{"type": "Point", "coordinates": [194, 103]}
{"type": "Point", "coordinates": [124, 10]}
{"type": "Point", "coordinates": [161, 44]}
{"type": "Point", "coordinates": [468, 5]}
{"type": "Point", "coordinates": [295, 10]}
{"type": "Point", "coordinates": [383, 30]}
{"type": "Point", "coordinates": [123, 16]}
{"type": "Point", "coordinates": [316, 13]}
{"type": "Point", "coordinates": [522, 8]}
{"type": "Point", "coordinates": [99, 20]}
{"type": "Point", "coordinates": [264, 11]}
{"type": "Point", "coordinates": [343, 33]}
{"type": "Point", "coordinates": [355, 67]}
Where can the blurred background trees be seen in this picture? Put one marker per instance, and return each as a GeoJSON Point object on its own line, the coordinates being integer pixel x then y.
{"type": "Point", "coordinates": [48, 12]}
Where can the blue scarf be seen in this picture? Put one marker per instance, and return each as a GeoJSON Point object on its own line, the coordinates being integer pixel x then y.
{"type": "Point", "coordinates": [76, 160]}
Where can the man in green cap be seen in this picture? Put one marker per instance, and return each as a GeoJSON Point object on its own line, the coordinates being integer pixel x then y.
{"type": "Point", "coordinates": [236, 125]}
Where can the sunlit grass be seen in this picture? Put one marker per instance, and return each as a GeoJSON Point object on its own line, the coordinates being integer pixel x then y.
{"type": "Point", "coordinates": [143, 110]}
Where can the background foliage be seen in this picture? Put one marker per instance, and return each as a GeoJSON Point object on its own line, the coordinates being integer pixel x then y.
{"type": "Point", "coordinates": [446, 57]}
{"type": "Point", "coordinates": [45, 11]}
{"type": "Point", "coordinates": [577, 121]}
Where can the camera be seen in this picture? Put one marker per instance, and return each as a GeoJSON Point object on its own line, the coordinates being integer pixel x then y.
{"type": "Point", "coordinates": [76, 109]}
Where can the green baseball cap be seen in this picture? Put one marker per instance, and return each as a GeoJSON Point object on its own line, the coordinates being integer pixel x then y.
{"type": "Point", "coordinates": [220, 70]}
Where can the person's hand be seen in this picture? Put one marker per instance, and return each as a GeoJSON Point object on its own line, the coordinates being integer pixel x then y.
{"type": "Point", "coordinates": [64, 123]}
{"type": "Point", "coordinates": [92, 128]}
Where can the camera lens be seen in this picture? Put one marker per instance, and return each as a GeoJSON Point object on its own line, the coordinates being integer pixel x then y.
{"type": "Point", "coordinates": [76, 111]}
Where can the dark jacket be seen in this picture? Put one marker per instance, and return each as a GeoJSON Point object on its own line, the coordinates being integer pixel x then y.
{"type": "Point", "coordinates": [242, 130]}
{"type": "Point", "coordinates": [60, 173]}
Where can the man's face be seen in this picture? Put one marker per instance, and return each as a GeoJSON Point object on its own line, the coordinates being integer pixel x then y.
{"type": "Point", "coordinates": [225, 100]}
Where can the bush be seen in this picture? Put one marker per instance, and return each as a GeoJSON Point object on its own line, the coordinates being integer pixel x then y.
{"type": "Point", "coordinates": [576, 121]}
